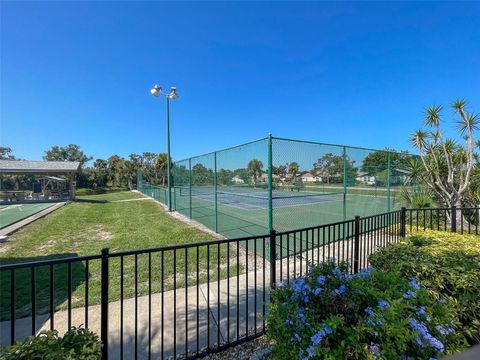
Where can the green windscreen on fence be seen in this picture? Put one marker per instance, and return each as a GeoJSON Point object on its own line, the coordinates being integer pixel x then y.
{"type": "Point", "coordinates": [283, 184]}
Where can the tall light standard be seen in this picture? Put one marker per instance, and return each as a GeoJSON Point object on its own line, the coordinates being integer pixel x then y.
{"type": "Point", "coordinates": [157, 91]}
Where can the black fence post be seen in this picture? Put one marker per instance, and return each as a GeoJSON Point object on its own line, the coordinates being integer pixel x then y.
{"type": "Point", "coordinates": [104, 305]}
{"type": "Point", "coordinates": [403, 222]}
{"type": "Point", "coordinates": [356, 256]}
{"type": "Point", "coordinates": [454, 218]}
{"type": "Point", "coordinates": [273, 258]}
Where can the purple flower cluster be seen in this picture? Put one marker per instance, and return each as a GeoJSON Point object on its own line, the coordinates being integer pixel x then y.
{"type": "Point", "coordinates": [337, 272]}
{"type": "Point", "coordinates": [383, 304]}
{"type": "Point", "coordinates": [425, 336]}
{"type": "Point", "coordinates": [374, 348]}
{"type": "Point", "coordinates": [445, 331]}
{"type": "Point", "coordinates": [410, 295]}
{"type": "Point", "coordinates": [340, 291]}
{"type": "Point", "coordinates": [363, 273]}
{"type": "Point", "coordinates": [422, 313]}
{"type": "Point", "coordinates": [296, 337]}
{"type": "Point", "coordinates": [311, 351]}
{"type": "Point", "coordinates": [316, 339]}
{"type": "Point", "coordinates": [321, 280]}
{"type": "Point", "coordinates": [414, 284]}
{"type": "Point", "coordinates": [369, 311]}
{"type": "Point", "coordinates": [320, 334]}
{"type": "Point", "coordinates": [303, 291]}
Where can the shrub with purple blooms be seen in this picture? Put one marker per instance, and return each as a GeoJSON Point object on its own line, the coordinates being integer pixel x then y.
{"type": "Point", "coordinates": [331, 314]}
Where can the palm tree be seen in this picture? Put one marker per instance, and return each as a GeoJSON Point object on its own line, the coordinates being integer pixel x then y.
{"type": "Point", "coordinates": [255, 169]}
{"type": "Point", "coordinates": [293, 170]}
{"type": "Point", "coordinates": [161, 162]}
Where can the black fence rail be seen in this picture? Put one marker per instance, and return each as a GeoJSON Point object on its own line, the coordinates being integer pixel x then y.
{"type": "Point", "coordinates": [186, 301]}
{"type": "Point", "coordinates": [458, 220]}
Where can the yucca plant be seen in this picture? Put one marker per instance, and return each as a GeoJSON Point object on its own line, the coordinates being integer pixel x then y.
{"type": "Point", "coordinates": [448, 166]}
{"type": "Point", "coordinates": [418, 197]}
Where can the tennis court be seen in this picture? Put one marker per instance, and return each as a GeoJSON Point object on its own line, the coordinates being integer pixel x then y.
{"type": "Point", "coordinates": [10, 214]}
{"type": "Point", "coordinates": [238, 212]}
{"type": "Point", "coordinates": [283, 184]}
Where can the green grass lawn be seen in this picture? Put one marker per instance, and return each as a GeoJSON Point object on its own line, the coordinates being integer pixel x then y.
{"type": "Point", "coordinates": [104, 221]}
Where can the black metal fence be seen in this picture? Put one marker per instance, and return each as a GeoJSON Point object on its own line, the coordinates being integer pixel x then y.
{"type": "Point", "coordinates": [186, 301]}
{"type": "Point", "coordinates": [462, 220]}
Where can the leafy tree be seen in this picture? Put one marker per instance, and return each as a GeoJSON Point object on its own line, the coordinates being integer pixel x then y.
{"type": "Point", "coordinates": [377, 161]}
{"type": "Point", "coordinates": [330, 165]}
{"type": "Point", "coordinates": [116, 170]}
{"type": "Point", "coordinates": [181, 175]}
{"type": "Point", "coordinates": [242, 174]}
{"type": "Point", "coordinates": [161, 165]}
{"type": "Point", "coordinates": [448, 166]}
{"type": "Point", "coordinates": [70, 152]}
{"type": "Point", "coordinates": [99, 174]}
{"type": "Point", "coordinates": [255, 169]}
{"type": "Point", "coordinates": [148, 167]}
{"type": "Point", "coordinates": [224, 177]}
{"type": "Point", "coordinates": [201, 175]}
{"type": "Point", "coordinates": [130, 172]}
{"type": "Point", "coordinates": [280, 170]}
{"type": "Point", "coordinates": [6, 153]}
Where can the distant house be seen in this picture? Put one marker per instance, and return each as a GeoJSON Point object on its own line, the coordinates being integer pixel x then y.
{"type": "Point", "coordinates": [365, 178]}
{"type": "Point", "coordinates": [264, 178]}
{"type": "Point", "coordinates": [237, 180]}
{"type": "Point", "coordinates": [330, 178]}
{"type": "Point", "coordinates": [309, 177]}
{"type": "Point", "coordinates": [399, 177]}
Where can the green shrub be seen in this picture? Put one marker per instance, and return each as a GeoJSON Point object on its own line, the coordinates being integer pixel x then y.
{"type": "Point", "coordinates": [447, 264]}
{"type": "Point", "coordinates": [330, 314]}
{"type": "Point", "coordinates": [77, 343]}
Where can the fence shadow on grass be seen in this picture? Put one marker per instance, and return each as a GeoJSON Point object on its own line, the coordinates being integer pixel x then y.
{"type": "Point", "coordinates": [91, 201]}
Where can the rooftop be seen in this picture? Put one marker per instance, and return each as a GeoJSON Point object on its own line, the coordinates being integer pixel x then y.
{"type": "Point", "coordinates": [38, 167]}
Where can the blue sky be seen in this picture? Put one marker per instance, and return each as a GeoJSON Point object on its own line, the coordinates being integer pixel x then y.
{"type": "Point", "coordinates": [348, 73]}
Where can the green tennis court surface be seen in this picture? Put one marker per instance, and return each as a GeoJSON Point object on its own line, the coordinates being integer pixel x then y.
{"type": "Point", "coordinates": [10, 214]}
{"type": "Point", "coordinates": [248, 216]}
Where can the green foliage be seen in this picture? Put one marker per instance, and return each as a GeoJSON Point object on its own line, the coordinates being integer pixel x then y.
{"type": "Point", "coordinates": [293, 169]}
{"type": "Point", "coordinates": [298, 186]}
{"type": "Point", "coordinates": [330, 314]}
{"type": "Point", "coordinates": [417, 198]}
{"type": "Point", "coordinates": [254, 168]}
{"type": "Point", "coordinates": [332, 167]}
{"type": "Point", "coordinates": [201, 175]}
{"type": "Point", "coordinates": [448, 166]}
{"type": "Point", "coordinates": [445, 263]}
{"type": "Point", "coordinates": [6, 153]}
{"type": "Point", "coordinates": [224, 177]}
{"type": "Point", "coordinates": [70, 152]}
{"type": "Point", "coordinates": [379, 160]}
{"type": "Point", "coordinates": [76, 344]}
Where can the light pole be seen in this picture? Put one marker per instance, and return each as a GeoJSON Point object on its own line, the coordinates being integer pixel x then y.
{"type": "Point", "coordinates": [157, 91]}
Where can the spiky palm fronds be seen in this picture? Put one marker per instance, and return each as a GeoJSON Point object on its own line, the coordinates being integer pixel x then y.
{"type": "Point", "coordinates": [432, 116]}
{"type": "Point", "coordinates": [419, 139]}
{"type": "Point", "coordinates": [417, 198]}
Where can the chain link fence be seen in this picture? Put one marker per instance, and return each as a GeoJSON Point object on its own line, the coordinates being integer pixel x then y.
{"type": "Point", "coordinates": [284, 184]}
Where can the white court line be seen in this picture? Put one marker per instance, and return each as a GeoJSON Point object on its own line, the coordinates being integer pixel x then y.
{"type": "Point", "coordinates": [8, 207]}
